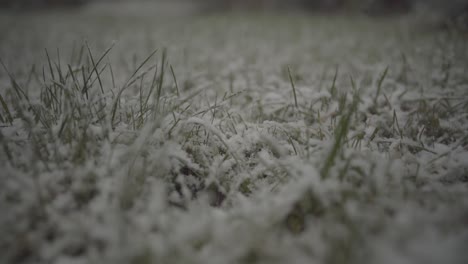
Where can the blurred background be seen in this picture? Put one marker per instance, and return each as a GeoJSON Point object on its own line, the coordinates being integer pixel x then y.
{"type": "Point", "coordinates": [369, 6]}
{"type": "Point", "coordinates": [444, 11]}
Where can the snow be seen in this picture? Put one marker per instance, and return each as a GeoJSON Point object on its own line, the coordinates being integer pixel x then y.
{"type": "Point", "coordinates": [229, 170]}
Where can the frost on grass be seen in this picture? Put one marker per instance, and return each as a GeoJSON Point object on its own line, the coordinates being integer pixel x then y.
{"type": "Point", "coordinates": [246, 140]}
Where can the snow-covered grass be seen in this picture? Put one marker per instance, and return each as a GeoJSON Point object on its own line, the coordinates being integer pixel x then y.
{"type": "Point", "coordinates": [232, 139]}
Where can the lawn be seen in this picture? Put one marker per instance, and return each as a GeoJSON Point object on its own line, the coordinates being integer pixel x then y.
{"type": "Point", "coordinates": [231, 138]}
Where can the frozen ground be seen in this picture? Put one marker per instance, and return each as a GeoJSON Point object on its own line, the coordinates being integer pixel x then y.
{"type": "Point", "coordinates": [243, 139]}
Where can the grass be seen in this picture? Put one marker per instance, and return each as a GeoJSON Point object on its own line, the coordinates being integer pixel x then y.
{"type": "Point", "coordinates": [185, 146]}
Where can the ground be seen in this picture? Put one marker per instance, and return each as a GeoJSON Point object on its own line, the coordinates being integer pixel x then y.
{"type": "Point", "coordinates": [231, 138]}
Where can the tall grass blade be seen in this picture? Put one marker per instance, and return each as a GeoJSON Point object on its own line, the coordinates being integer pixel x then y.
{"type": "Point", "coordinates": [96, 64]}
{"type": "Point", "coordinates": [379, 85]}
{"type": "Point", "coordinates": [119, 94]}
{"type": "Point", "coordinates": [175, 81]}
{"type": "Point", "coordinates": [15, 85]}
{"type": "Point", "coordinates": [161, 78]}
{"type": "Point", "coordinates": [293, 87]}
